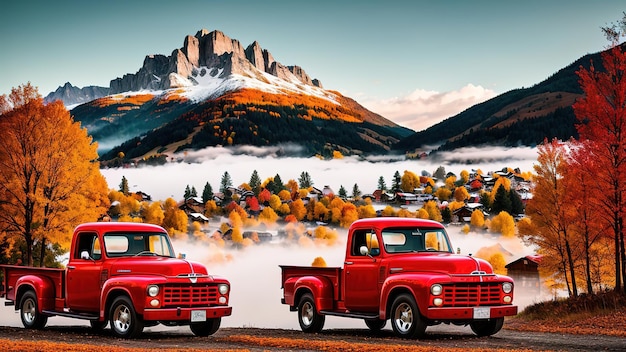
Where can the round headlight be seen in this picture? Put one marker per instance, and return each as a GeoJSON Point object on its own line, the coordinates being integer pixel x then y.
{"type": "Point", "coordinates": [153, 290]}
{"type": "Point", "coordinates": [223, 289]}
{"type": "Point", "coordinates": [436, 289]}
{"type": "Point", "coordinates": [507, 287]}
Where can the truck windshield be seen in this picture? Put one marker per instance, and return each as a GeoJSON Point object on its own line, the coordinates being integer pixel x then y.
{"type": "Point", "coordinates": [123, 244]}
{"type": "Point", "coordinates": [406, 240]}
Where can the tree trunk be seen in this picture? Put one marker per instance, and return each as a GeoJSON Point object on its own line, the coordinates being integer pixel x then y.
{"type": "Point", "coordinates": [42, 253]}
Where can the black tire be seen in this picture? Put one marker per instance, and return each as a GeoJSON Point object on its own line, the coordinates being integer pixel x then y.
{"type": "Point", "coordinates": [487, 327]}
{"type": "Point", "coordinates": [375, 325]}
{"type": "Point", "coordinates": [98, 326]}
{"type": "Point", "coordinates": [125, 322]}
{"type": "Point", "coordinates": [406, 320]}
{"type": "Point", "coordinates": [308, 317]}
{"type": "Point", "coordinates": [207, 328]}
{"type": "Point", "coordinates": [29, 312]}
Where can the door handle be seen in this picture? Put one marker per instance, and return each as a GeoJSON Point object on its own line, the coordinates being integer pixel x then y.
{"type": "Point", "coordinates": [71, 267]}
{"type": "Point", "coordinates": [348, 263]}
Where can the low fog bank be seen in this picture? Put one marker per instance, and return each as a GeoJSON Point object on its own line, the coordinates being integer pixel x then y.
{"type": "Point", "coordinates": [208, 165]}
{"type": "Point", "coordinates": [255, 277]}
{"type": "Point", "coordinates": [255, 274]}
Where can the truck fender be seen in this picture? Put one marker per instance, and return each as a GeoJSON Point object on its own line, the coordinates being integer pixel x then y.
{"type": "Point", "coordinates": [115, 288]}
{"type": "Point", "coordinates": [43, 287]}
{"type": "Point", "coordinates": [414, 284]}
{"type": "Point", "coordinates": [320, 287]}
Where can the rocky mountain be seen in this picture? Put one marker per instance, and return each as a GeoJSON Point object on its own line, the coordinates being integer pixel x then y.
{"type": "Point", "coordinates": [71, 95]}
{"type": "Point", "coordinates": [212, 91]}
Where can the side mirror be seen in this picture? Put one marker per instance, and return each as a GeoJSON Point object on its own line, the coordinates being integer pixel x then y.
{"type": "Point", "coordinates": [84, 255]}
{"type": "Point", "coordinates": [364, 250]}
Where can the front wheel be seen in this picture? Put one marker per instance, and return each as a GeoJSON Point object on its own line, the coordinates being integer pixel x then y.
{"type": "Point", "coordinates": [487, 327]}
{"type": "Point", "coordinates": [125, 322]}
{"type": "Point", "coordinates": [309, 319]}
{"type": "Point", "coordinates": [406, 320]}
{"type": "Point", "coordinates": [207, 328]}
{"type": "Point", "coordinates": [29, 312]}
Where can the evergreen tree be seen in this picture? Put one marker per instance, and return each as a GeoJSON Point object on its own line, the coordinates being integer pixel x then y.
{"type": "Point", "coordinates": [446, 214]}
{"type": "Point", "coordinates": [278, 184]}
{"type": "Point", "coordinates": [381, 184]}
{"type": "Point", "coordinates": [225, 183]}
{"type": "Point", "coordinates": [397, 182]}
{"type": "Point", "coordinates": [342, 192]}
{"type": "Point", "coordinates": [207, 193]}
{"type": "Point", "coordinates": [255, 183]}
{"type": "Point", "coordinates": [485, 200]}
{"type": "Point", "coordinates": [517, 206]}
{"type": "Point", "coordinates": [124, 186]}
{"type": "Point", "coordinates": [305, 180]}
{"type": "Point", "coordinates": [187, 193]}
{"type": "Point", "coordinates": [501, 202]}
{"type": "Point", "coordinates": [193, 193]}
{"type": "Point", "coordinates": [356, 192]}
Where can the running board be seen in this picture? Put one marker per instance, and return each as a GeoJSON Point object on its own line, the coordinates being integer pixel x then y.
{"type": "Point", "coordinates": [350, 314]}
{"type": "Point", "coordinates": [72, 315]}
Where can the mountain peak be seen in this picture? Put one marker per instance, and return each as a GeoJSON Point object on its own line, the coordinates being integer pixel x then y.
{"type": "Point", "coordinates": [208, 52]}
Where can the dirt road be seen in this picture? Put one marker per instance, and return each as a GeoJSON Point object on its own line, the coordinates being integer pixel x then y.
{"type": "Point", "coordinates": [230, 338]}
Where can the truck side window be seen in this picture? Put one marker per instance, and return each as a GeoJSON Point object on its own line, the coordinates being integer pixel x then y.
{"type": "Point", "coordinates": [358, 240]}
{"type": "Point", "coordinates": [87, 242]}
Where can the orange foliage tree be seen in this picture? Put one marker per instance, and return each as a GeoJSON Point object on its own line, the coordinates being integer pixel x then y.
{"type": "Point", "coordinates": [601, 112]}
{"type": "Point", "coordinates": [49, 178]}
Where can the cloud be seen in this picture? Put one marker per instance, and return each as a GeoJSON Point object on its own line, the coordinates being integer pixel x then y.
{"type": "Point", "coordinates": [421, 109]}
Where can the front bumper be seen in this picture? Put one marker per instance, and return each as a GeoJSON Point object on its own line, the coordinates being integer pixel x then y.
{"type": "Point", "coordinates": [184, 314]}
{"type": "Point", "coordinates": [467, 313]}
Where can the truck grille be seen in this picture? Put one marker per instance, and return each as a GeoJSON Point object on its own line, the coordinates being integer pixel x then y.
{"type": "Point", "coordinates": [186, 295]}
{"type": "Point", "coordinates": [469, 295]}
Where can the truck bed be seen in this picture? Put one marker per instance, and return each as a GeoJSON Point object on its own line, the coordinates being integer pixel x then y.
{"type": "Point", "coordinates": [333, 274]}
{"type": "Point", "coordinates": [12, 273]}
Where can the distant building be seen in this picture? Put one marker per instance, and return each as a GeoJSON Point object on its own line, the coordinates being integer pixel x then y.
{"type": "Point", "coordinates": [525, 272]}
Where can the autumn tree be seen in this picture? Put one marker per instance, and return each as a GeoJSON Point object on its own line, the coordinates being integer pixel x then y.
{"type": "Point", "coordinates": [175, 221]}
{"type": "Point", "coordinates": [549, 213]}
{"type": "Point", "coordinates": [601, 113]}
{"type": "Point", "coordinates": [152, 213]}
{"type": "Point", "coordinates": [49, 178]}
{"type": "Point", "coordinates": [409, 181]}
{"type": "Point", "coordinates": [478, 218]}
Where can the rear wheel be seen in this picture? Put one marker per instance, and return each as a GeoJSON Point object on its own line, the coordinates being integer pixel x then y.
{"type": "Point", "coordinates": [206, 328]}
{"type": "Point", "coordinates": [406, 320]}
{"type": "Point", "coordinates": [124, 320]}
{"type": "Point", "coordinates": [309, 319]}
{"type": "Point", "coordinates": [29, 312]}
{"type": "Point", "coordinates": [487, 327]}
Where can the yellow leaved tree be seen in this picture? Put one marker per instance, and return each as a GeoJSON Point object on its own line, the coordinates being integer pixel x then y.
{"type": "Point", "coordinates": [49, 177]}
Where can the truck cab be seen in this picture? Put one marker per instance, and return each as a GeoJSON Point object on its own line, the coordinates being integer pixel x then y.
{"type": "Point", "coordinates": [405, 271]}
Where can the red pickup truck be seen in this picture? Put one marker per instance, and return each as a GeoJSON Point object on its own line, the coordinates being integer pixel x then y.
{"type": "Point", "coordinates": [403, 270]}
{"type": "Point", "coordinates": [125, 274]}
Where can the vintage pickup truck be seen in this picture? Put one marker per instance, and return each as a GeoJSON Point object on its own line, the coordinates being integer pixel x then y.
{"type": "Point", "coordinates": [403, 270]}
{"type": "Point", "coordinates": [125, 274]}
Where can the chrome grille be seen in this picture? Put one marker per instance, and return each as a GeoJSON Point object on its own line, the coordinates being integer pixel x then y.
{"type": "Point", "coordinates": [470, 295]}
{"type": "Point", "coordinates": [189, 295]}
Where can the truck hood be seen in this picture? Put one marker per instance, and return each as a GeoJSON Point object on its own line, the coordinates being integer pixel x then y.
{"type": "Point", "coordinates": [453, 264]}
{"type": "Point", "coordinates": [156, 266]}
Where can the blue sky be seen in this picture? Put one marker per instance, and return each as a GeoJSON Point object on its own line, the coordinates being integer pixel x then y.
{"type": "Point", "coordinates": [414, 62]}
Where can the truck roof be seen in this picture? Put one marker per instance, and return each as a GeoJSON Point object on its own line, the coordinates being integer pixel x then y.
{"type": "Point", "coordinates": [118, 226]}
{"type": "Point", "coordinates": [395, 221]}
